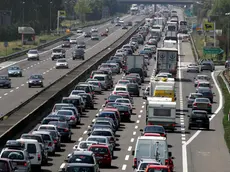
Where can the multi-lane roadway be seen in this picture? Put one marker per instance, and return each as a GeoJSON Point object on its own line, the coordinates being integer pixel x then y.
{"type": "Point", "coordinates": [194, 151]}
{"type": "Point", "coordinates": [20, 91]}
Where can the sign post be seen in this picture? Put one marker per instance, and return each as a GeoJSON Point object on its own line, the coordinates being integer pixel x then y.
{"type": "Point", "coordinates": [6, 45]}
{"type": "Point", "coordinates": [61, 14]}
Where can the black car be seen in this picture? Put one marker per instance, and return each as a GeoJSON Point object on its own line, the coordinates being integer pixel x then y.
{"type": "Point", "coordinates": [88, 100]}
{"type": "Point", "coordinates": [124, 27]}
{"type": "Point", "coordinates": [87, 34]}
{"type": "Point", "coordinates": [125, 112]}
{"type": "Point", "coordinates": [78, 54]}
{"type": "Point", "coordinates": [81, 45]}
{"type": "Point", "coordinates": [199, 119]}
{"type": "Point", "coordinates": [206, 92]}
{"type": "Point", "coordinates": [66, 44]}
{"type": "Point", "coordinates": [35, 81]}
{"type": "Point", "coordinates": [130, 23]}
{"type": "Point", "coordinates": [158, 129]}
{"type": "Point", "coordinates": [140, 71]}
{"type": "Point", "coordinates": [133, 89]}
{"type": "Point", "coordinates": [63, 128]}
{"type": "Point", "coordinates": [112, 98]}
{"type": "Point", "coordinates": [5, 81]}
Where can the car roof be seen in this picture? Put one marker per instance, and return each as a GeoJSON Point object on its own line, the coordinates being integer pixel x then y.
{"type": "Point", "coordinates": [100, 145]}
{"type": "Point", "coordinates": [204, 88]}
{"type": "Point", "coordinates": [102, 129]}
{"type": "Point", "coordinates": [79, 164]}
{"type": "Point", "coordinates": [27, 140]}
{"type": "Point", "coordinates": [201, 111]}
{"type": "Point", "coordinates": [41, 132]}
{"type": "Point", "coordinates": [82, 152]}
{"type": "Point", "coordinates": [103, 75]}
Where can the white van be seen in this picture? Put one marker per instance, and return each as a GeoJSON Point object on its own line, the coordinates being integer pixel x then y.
{"type": "Point", "coordinates": [103, 79]}
{"type": "Point", "coordinates": [151, 147]}
{"type": "Point", "coordinates": [33, 148]}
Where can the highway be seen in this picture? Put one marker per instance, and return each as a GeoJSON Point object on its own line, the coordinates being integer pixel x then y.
{"type": "Point", "coordinates": [20, 92]}
{"type": "Point", "coordinates": [194, 151]}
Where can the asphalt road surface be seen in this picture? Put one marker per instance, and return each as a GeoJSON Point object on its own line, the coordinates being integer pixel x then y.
{"type": "Point", "coordinates": [11, 98]}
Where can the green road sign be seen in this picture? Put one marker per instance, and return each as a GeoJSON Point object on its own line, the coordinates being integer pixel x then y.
{"type": "Point", "coordinates": [212, 50]}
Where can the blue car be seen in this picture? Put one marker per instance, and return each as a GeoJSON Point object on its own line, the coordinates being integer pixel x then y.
{"type": "Point", "coordinates": [14, 71]}
{"type": "Point", "coordinates": [35, 81]}
{"type": "Point", "coordinates": [5, 81]}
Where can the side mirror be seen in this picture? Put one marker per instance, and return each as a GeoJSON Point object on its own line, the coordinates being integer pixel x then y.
{"type": "Point", "coordinates": [133, 152]}
{"type": "Point", "coordinates": [209, 117]}
{"type": "Point", "coordinates": [172, 157]}
{"type": "Point", "coordinates": [188, 115]}
{"type": "Point", "coordinates": [170, 154]}
{"type": "Point", "coordinates": [141, 130]}
{"type": "Point", "coordinates": [134, 167]}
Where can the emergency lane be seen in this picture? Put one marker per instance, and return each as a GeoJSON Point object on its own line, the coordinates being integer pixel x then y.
{"type": "Point", "coordinates": [20, 91]}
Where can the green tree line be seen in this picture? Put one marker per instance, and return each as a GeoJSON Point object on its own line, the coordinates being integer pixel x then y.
{"type": "Point", "coordinates": [36, 13]}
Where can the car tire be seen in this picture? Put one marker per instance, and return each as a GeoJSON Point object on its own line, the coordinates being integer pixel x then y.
{"type": "Point", "coordinates": [189, 127]}
{"type": "Point", "coordinates": [69, 139]}
{"type": "Point", "coordinates": [29, 86]}
{"type": "Point", "coordinates": [42, 86]}
{"type": "Point", "coordinates": [208, 127]}
{"type": "Point", "coordinates": [9, 86]}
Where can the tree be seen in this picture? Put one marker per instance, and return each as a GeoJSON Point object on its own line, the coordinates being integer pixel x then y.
{"type": "Point", "coordinates": [82, 8]}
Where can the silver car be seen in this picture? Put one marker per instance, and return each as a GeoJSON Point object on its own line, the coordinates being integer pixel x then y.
{"type": "Point", "coordinates": [193, 68]}
{"type": "Point", "coordinates": [62, 63]}
{"type": "Point", "coordinates": [32, 55]}
{"type": "Point", "coordinates": [84, 145]}
{"type": "Point", "coordinates": [14, 71]}
{"type": "Point", "coordinates": [97, 86]}
{"type": "Point", "coordinates": [72, 120]}
{"type": "Point", "coordinates": [192, 97]}
{"type": "Point", "coordinates": [199, 78]}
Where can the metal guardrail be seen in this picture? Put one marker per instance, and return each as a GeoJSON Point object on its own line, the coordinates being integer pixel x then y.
{"type": "Point", "coordinates": [21, 53]}
{"type": "Point", "coordinates": [90, 64]}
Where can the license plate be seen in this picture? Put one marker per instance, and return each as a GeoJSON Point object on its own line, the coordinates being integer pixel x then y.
{"type": "Point", "coordinates": [99, 157]}
{"type": "Point", "coordinates": [199, 121]}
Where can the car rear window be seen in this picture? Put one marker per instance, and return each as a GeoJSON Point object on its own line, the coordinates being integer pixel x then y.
{"type": "Point", "coordinates": [202, 100]}
{"type": "Point", "coordinates": [68, 113]}
{"type": "Point", "coordinates": [99, 78]}
{"type": "Point", "coordinates": [100, 140]}
{"type": "Point", "coordinates": [81, 159]}
{"type": "Point", "coordinates": [154, 129]}
{"type": "Point", "coordinates": [46, 128]}
{"type": "Point", "coordinates": [31, 148]}
{"type": "Point", "coordinates": [71, 101]}
{"type": "Point", "coordinates": [111, 115]}
{"type": "Point", "coordinates": [80, 169]}
{"type": "Point", "coordinates": [32, 137]}
{"type": "Point", "coordinates": [15, 155]}
{"type": "Point", "coordinates": [46, 137]}
{"type": "Point", "coordinates": [99, 150]}
{"type": "Point", "coordinates": [101, 133]}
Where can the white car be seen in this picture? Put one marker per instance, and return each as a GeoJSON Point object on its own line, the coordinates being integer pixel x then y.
{"type": "Point", "coordinates": [62, 63]}
{"type": "Point", "coordinates": [193, 68]}
{"type": "Point", "coordinates": [123, 82]}
{"type": "Point", "coordinates": [48, 127]}
{"type": "Point", "coordinates": [76, 92]}
{"type": "Point", "coordinates": [120, 88]}
{"type": "Point", "coordinates": [32, 55]}
{"type": "Point", "coordinates": [79, 31]}
{"type": "Point", "coordinates": [73, 41]}
{"type": "Point", "coordinates": [96, 85]}
{"type": "Point", "coordinates": [124, 101]}
{"type": "Point", "coordinates": [83, 145]}
{"type": "Point", "coordinates": [94, 29]}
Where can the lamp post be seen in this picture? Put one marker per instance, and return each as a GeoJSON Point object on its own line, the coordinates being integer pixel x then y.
{"type": "Point", "coordinates": [227, 14]}
{"type": "Point", "coordinates": [23, 12]}
{"type": "Point", "coordinates": [51, 15]}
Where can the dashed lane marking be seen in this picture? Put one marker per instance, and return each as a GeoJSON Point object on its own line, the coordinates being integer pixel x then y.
{"type": "Point", "coordinates": [124, 167]}
{"type": "Point", "coordinates": [132, 140]}
{"type": "Point", "coordinates": [139, 116]}
{"type": "Point", "coordinates": [144, 103]}
{"type": "Point", "coordinates": [80, 139]}
{"type": "Point", "coordinates": [141, 111]}
{"type": "Point", "coordinates": [85, 132]}
{"type": "Point", "coordinates": [142, 107]}
{"type": "Point", "coordinates": [11, 91]}
{"type": "Point", "coordinates": [136, 127]}
{"type": "Point", "coordinates": [5, 94]}
{"type": "Point", "coordinates": [127, 157]}
{"type": "Point", "coordinates": [130, 148]}
{"type": "Point", "coordinates": [134, 133]}
{"type": "Point", "coordinates": [22, 85]}
{"type": "Point", "coordinates": [138, 121]}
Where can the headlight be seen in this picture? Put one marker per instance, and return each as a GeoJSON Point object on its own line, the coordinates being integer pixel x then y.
{"type": "Point", "coordinates": [30, 81]}
{"type": "Point", "coordinates": [40, 81]}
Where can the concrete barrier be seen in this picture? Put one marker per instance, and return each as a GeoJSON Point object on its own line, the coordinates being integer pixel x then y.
{"type": "Point", "coordinates": [21, 53]}
{"type": "Point", "coordinates": [57, 90]}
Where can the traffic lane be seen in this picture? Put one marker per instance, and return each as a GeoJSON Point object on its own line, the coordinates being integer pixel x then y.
{"type": "Point", "coordinates": [80, 134]}
{"type": "Point", "coordinates": [46, 51]}
{"type": "Point", "coordinates": [213, 156]}
{"type": "Point", "coordinates": [50, 74]}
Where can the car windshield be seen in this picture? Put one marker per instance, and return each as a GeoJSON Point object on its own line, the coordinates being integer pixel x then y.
{"type": "Point", "coordinates": [76, 92]}
{"type": "Point", "coordinates": [199, 115]}
{"type": "Point", "coordinates": [71, 101]}
{"type": "Point", "coordinates": [122, 101]}
{"type": "Point", "coordinates": [15, 155]}
{"type": "Point", "coordinates": [47, 121]}
{"type": "Point", "coordinates": [101, 133]}
{"type": "Point", "coordinates": [35, 77]}
{"type": "Point", "coordinates": [157, 170]}
{"type": "Point", "coordinates": [121, 89]}
{"type": "Point", "coordinates": [123, 82]}
{"type": "Point", "coordinates": [202, 100]}
{"type": "Point", "coordinates": [3, 77]}
{"type": "Point", "coordinates": [204, 85]}
{"type": "Point", "coordinates": [61, 61]}
{"type": "Point", "coordinates": [72, 109]}
{"type": "Point", "coordinates": [194, 96]}
{"type": "Point", "coordinates": [97, 139]}
{"type": "Point", "coordinates": [57, 50]}
{"type": "Point", "coordinates": [99, 78]}
{"type": "Point", "coordinates": [59, 124]}
{"type": "Point", "coordinates": [33, 52]}
{"type": "Point", "coordinates": [14, 68]}
{"type": "Point", "coordinates": [99, 150]}
{"type": "Point", "coordinates": [46, 128]}
{"type": "Point", "coordinates": [111, 115]}
{"type": "Point", "coordinates": [152, 129]}
{"type": "Point", "coordinates": [93, 83]}
{"type": "Point", "coordinates": [80, 169]}
{"type": "Point", "coordinates": [84, 145]}
{"type": "Point", "coordinates": [81, 159]}
{"type": "Point", "coordinates": [122, 108]}
{"type": "Point", "coordinates": [63, 112]}
{"type": "Point", "coordinates": [113, 98]}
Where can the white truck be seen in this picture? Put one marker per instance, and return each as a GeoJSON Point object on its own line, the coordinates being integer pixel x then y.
{"type": "Point", "coordinates": [166, 60]}
{"type": "Point", "coordinates": [161, 112]}
{"type": "Point", "coordinates": [170, 44]}
{"type": "Point", "coordinates": [135, 61]}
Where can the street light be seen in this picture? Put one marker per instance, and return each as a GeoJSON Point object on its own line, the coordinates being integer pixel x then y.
{"type": "Point", "coordinates": [50, 15]}
{"type": "Point", "coordinates": [227, 14]}
{"type": "Point", "coordinates": [23, 12]}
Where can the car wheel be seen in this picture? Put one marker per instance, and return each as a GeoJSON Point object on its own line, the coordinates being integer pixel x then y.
{"type": "Point", "coordinates": [9, 86]}
{"type": "Point", "coordinates": [69, 139]}
{"type": "Point", "coordinates": [29, 86]}
{"type": "Point", "coordinates": [189, 127]}
{"type": "Point", "coordinates": [208, 128]}
{"type": "Point", "coordinates": [42, 86]}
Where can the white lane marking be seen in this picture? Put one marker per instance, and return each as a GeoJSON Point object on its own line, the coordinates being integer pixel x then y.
{"type": "Point", "coordinates": [80, 139]}
{"type": "Point", "coordinates": [5, 94]}
{"type": "Point", "coordinates": [136, 127]}
{"type": "Point", "coordinates": [139, 116]}
{"type": "Point", "coordinates": [132, 140]}
{"type": "Point", "coordinates": [28, 67]}
{"type": "Point", "coordinates": [93, 120]}
{"type": "Point", "coordinates": [47, 71]}
{"type": "Point", "coordinates": [144, 103]}
{"type": "Point", "coordinates": [0, 97]}
{"type": "Point", "coordinates": [124, 167]}
{"type": "Point", "coordinates": [134, 133]}
{"type": "Point", "coordinates": [17, 88]}
{"type": "Point", "coordinates": [44, 73]}
{"type": "Point", "coordinates": [54, 67]}
{"type": "Point", "coordinates": [138, 121]}
{"type": "Point", "coordinates": [22, 85]}
{"type": "Point", "coordinates": [141, 111]}
{"type": "Point", "coordinates": [130, 148]}
{"type": "Point", "coordinates": [84, 132]}
{"type": "Point", "coordinates": [127, 157]}
{"type": "Point", "coordinates": [142, 107]}
{"type": "Point", "coordinates": [24, 69]}
{"type": "Point", "coordinates": [27, 82]}
{"type": "Point", "coordinates": [100, 110]}
{"type": "Point", "coordinates": [11, 91]}
{"type": "Point", "coordinates": [32, 66]}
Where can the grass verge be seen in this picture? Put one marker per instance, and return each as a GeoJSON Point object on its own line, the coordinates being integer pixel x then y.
{"type": "Point", "coordinates": [226, 123]}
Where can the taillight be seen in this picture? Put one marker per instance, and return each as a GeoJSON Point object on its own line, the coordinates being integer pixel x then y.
{"type": "Point", "coordinates": [114, 92]}
{"type": "Point", "coordinates": [106, 101]}
{"type": "Point", "coordinates": [166, 162]}
{"type": "Point", "coordinates": [173, 125]}
{"type": "Point", "coordinates": [72, 118]}
{"type": "Point", "coordinates": [149, 123]}
{"type": "Point", "coordinates": [163, 135]}
{"type": "Point", "coordinates": [194, 104]}
{"type": "Point", "coordinates": [135, 162]}
{"type": "Point", "coordinates": [50, 144]}
{"type": "Point", "coordinates": [209, 104]}
{"type": "Point", "coordinates": [126, 113]}
{"type": "Point", "coordinates": [91, 76]}
{"type": "Point", "coordinates": [66, 130]}
{"type": "Point", "coordinates": [25, 164]}
{"type": "Point", "coordinates": [39, 157]}
{"type": "Point", "coordinates": [55, 141]}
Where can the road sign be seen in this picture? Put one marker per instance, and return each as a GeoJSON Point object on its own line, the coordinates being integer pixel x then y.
{"type": "Point", "coordinates": [62, 13]}
{"type": "Point", "coordinates": [212, 50]}
{"type": "Point", "coordinates": [208, 26]}
{"type": "Point", "coordinates": [5, 44]}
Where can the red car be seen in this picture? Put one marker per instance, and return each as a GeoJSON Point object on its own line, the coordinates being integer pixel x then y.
{"type": "Point", "coordinates": [104, 34]}
{"type": "Point", "coordinates": [102, 154]}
